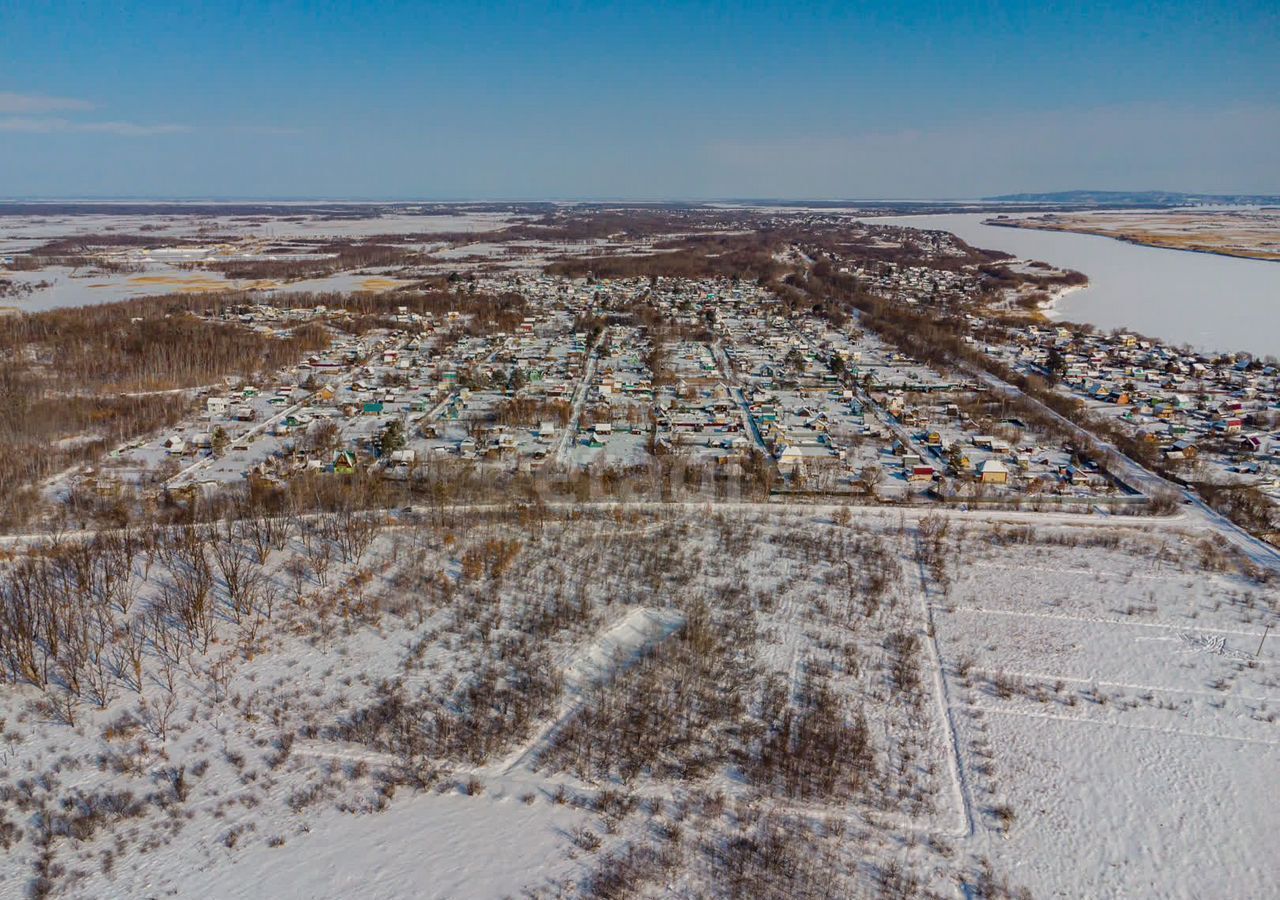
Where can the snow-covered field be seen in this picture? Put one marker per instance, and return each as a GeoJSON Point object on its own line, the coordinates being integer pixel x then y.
{"type": "Point", "coordinates": [27, 231]}
{"type": "Point", "coordinates": [424, 847]}
{"type": "Point", "coordinates": [616, 701]}
{"type": "Point", "coordinates": [224, 237]}
{"type": "Point", "coordinates": [1114, 702]}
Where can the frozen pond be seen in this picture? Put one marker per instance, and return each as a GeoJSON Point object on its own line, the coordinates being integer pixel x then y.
{"type": "Point", "coordinates": [1210, 302]}
{"type": "Point", "coordinates": [64, 286]}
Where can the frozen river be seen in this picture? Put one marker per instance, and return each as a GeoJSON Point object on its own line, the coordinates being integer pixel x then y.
{"type": "Point", "coordinates": [1210, 302]}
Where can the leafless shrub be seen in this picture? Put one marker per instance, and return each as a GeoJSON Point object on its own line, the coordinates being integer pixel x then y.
{"type": "Point", "coordinates": [896, 883]}
{"type": "Point", "coordinates": [1005, 686]}
{"type": "Point", "coordinates": [670, 715]}
{"type": "Point", "coordinates": [904, 666]}
{"type": "Point", "coordinates": [986, 885]}
{"type": "Point", "coordinates": [586, 839]}
{"type": "Point", "coordinates": [10, 833]}
{"type": "Point", "coordinates": [625, 873]}
{"type": "Point", "coordinates": [1004, 816]}
{"type": "Point", "coordinates": [814, 748]}
{"type": "Point", "coordinates": [492, 709]}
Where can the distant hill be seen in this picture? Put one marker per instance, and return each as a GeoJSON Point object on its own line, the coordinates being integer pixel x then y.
{"type": "Point", "coordinates": [1138, 198]}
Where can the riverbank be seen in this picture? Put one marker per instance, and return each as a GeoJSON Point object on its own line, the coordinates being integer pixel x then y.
{"type": "Point", "coordinates": [1238, 234]}
{"type": "Point", "coordinates": [1049, 309]}
{"type": "Point", "coordinates": [1210, 302]}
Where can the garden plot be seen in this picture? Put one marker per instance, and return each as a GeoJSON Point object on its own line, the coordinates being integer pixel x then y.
{"type": "Point", "coordinates": [1115, 627]}
{"type": "Point", "coordinates": [1113, 721]}
{"type": "Point", "coordinates": [1104, 811]}
{"type": "Point", "coordinates": [619, 448]}
{"type": "Point", "coordinates": [692, 362]}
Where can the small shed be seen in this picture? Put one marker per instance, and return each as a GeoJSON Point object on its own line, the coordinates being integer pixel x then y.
{"type": "Point", "coordinates": [993, 471]}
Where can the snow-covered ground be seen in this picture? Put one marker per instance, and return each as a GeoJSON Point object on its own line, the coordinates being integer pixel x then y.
{"type": "Point", "coordinates": [426, 847]}
{"type": "Point", "coordinates": [1079, 705]}
{"type": "Point", "coordinates": [1115, 704]}
{"type": "Point", "coordinates": [227, 237]}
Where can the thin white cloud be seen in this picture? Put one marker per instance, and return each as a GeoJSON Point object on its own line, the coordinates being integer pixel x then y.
{"type": "Point", "coordinates": [21, 114]}
{"type": "Point", "coordinates": [23, 104]}
{"type": "Point", "coordinates": [47, 125]}
{"type": "Point", "coordinates": [269, 130]}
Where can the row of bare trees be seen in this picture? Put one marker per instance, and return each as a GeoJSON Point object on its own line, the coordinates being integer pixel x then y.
{"type": "Point", "coordinates": [77, 382]}
{"type": "Point", "coordinates": [79, 618]}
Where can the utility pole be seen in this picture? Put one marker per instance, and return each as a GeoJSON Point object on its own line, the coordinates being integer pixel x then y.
{"type": "Point", "coordinates": [1265, 632]}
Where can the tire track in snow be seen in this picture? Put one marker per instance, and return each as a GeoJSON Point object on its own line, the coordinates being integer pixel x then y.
{"type": "Point", "coordinates": [955, 763]}
{"type": "Point", "coordinates": [570, 436]}
{"type": "Point", "coordinates": [1097, 620]}
{"type": "Point", "coordinates": [1089, 720]}
{"type": "Point", "coordinates": [1038, 676]}
{"type": "Point", "coordinates": [1063, 570]}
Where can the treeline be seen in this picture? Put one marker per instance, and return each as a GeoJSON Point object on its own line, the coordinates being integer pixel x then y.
{"type": "Point", "coordinates": [579, 224]}
{"type": "Point", "coordinates": [440, 483]}
{"type": "Point", "coordinates": [867, 244]}
{"type": "Point", "coordinates": [75, 383]}
{"type": "Point", "coordinates": [104, 348]}
{"type": "Point", "coordinates": [75, 250]}
{"type": "Point", "coordinates": [755, 254]}
{"type": "Point", "coordinates": [745, 256]}
{"type": "Point", "coordinates": [528, 411]}
{"type": "Point", "coordinates": [42, 434]}
{"type": "Point", "coordinates": [1244, 504]}
{"type": "Point", "coordinates": [331, 258]}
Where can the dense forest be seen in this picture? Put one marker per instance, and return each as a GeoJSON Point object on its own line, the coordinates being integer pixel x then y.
{"type": "Point", "coordinates": [77, 382]}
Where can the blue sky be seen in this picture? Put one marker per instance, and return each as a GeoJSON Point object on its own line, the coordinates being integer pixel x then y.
{"type": "Point", "coordinates": [646, 101]}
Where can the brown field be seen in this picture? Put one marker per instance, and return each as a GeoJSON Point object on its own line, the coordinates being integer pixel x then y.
{"type": "Point", "coordinates": [380, 284]}
{"type": "Point", "coordinates": [194, 283]}
{"type": "Point", "coordinates": [1251, 234]}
